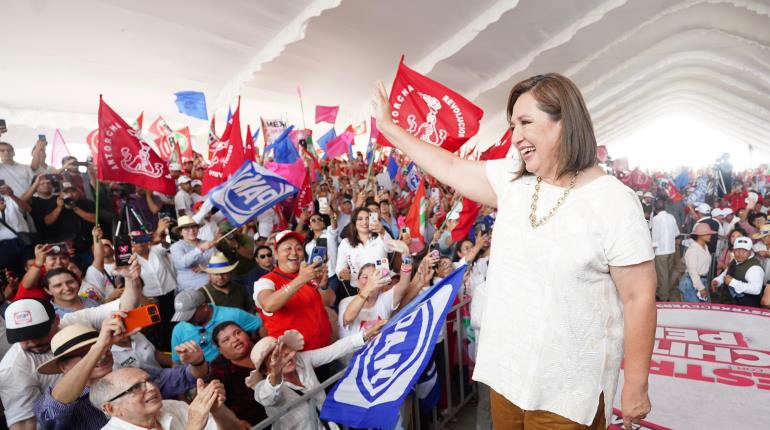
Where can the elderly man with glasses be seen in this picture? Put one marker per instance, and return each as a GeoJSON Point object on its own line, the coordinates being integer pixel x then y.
{"type": "Point", "coordinates": [132, 399]}
{"type": "Point", "coordinates": [83, 355]}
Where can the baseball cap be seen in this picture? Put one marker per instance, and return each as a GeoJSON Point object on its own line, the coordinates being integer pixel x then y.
{"type": "Point", "coordinates": [28, 319]}
{"type": "Point", "coordinates": [196, 182]}
{"type": "Point", "coordinates": [184, 179]}
{"type": "Point", "coordinates": [140, 236]}
{"type": "Point", "coordinates": [704, 208]}
{"type": "Point", "coordinates": [717, 212]}
{"type": "Point", "coordinates": [727, 211]}
{"type": "Point", "coordinates": [743, 242]}
{"type": "Point", "coordinates": [185, 304]}
{"type": "Point", "coordinates": [648, 194]}
{"type": "Point", "coordinates": [175, 166]}
{"type": "Point", "coordinates": [288, 234]}
{"type": "Point", "coordinates": [67, 186]}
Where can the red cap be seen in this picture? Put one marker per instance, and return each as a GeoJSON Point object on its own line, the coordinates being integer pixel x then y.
{"type": "Point", "coordinates": [288, 234]}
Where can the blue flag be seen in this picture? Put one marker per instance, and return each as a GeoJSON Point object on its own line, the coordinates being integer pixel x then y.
{"type": "Point", "coordinates": [392, 167]}
{"type": "Point", "coordinates": [412, 177]}
{"type": "Point", "coordinates": [283, 148]}
{"type": "Point", "coordinates": [229, 115]}
{"type": "Point", "coordinates": [682, 179]}
{"type": "Point", "coordinates": [192, 103]}
{"type": "Point", "coordinates": [251, 190]}
{"type": "Point", "coordinates": [255, 136]}
{"type": "Point", "coordinates": [369, 152]}
{"type": "Point", "coordinates": [324, 140]}
{"type": "Point", "coordinates": [380, 375]}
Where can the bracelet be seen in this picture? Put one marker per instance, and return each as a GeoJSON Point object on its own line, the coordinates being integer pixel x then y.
{"type": "Point", "coordinates": [35, 265]}
{"type": "Point", "coordinates": [199, 364]}
{"type": "Point", "coordinates": [362, 296]}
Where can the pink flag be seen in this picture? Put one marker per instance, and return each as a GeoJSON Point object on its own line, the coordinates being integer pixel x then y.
{"type": "Point", "coordinates": [326, 114]}
{"type": "Point", "coordinates": [59, 149]}
{"type": "Point", "coordinates": [92, 140]}
{"type": "Point", "coordinates": [339, 145]}
{"type": "Point", "coordinates": [294, 172]}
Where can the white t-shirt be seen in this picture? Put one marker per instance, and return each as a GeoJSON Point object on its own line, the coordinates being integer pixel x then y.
{"type": "Point", "coordinates": [21, 384]}
{"type": "Point", "coordinates": [158, 274]}
{"type": "Point", "coordinates": [552, 330]}
{"type": "Point", "coordinates": [381, 310]}
{"type": "Point", "coordinates": [266, 221]}
{"type": "Point", "coordinates": [357, 257]}
{"type": "Point", "coordinates": [96, 284]}
{"type": "Point", "coordinates": [17, 176]}
{"type": "Point", "coordinates": [173, 416]}
{"type": "Point", "coordinates": [183, 202]}
{"type": "Point", "coordinates": [140, 354]}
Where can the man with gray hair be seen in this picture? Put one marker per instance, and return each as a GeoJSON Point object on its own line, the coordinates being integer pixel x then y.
{"type": "Point", "coordinates": [132, 400]}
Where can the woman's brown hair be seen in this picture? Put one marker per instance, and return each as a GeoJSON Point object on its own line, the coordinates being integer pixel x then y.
{"type": "Point", "coordinates": [561, 100]}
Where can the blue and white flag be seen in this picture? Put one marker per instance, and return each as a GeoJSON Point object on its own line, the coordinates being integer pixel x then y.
{"type": "Point", "coordinates": [392, 167]}
{"type": "Point", "coordinates": [192, 103]}
{"type": "Point", "coordinates": [251, 190]}
{"type": "Point", "coordinates": [412, 177]}
{"type": "Point", "coordinates": [380, 375]}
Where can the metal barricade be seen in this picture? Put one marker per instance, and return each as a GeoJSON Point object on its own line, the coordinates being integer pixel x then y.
{"type": "Point", "coordinates": [457, 392]}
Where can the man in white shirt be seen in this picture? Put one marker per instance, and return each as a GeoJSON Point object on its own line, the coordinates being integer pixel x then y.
{"type": "Point", "coordinates": [30, 326]}
{"type": "Point", "coordinates": [12, 223]}
{"type": "Point", "coordinates": [664, 233]}
{"type": "Point", "coordinates": [744, 276]}
{"type": "Point", "coordinates": [18, 177]}
{"type": "Point", "coordinates": [183, 200]}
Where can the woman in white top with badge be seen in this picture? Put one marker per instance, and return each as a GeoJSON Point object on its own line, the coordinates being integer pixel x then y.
{"type": "Point", "coordinates": [571, 280]}
{"type": "Point", "coordinates": [365, 243]}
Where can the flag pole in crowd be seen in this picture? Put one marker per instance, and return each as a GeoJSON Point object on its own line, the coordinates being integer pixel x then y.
{"type": "Point", "coordinates": [301, 106]}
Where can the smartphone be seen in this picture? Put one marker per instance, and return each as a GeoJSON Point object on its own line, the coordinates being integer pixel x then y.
{"type": "Point", "coordinates": [122, 246]}
{"type": "Point", "coordinates": [382, 266]}
{"type": "Point", "coordinates": [59, 248]}
{"type": "Point", "coordinates": [81, 163]}
{"type": "Point", "coordinates": [318, 254]}
{"type": "Point", "coordinates": [41, 137]}
{"type": "Point", "coordinates": [323, 205]}
{"type": "Point", "coordinates": [141, 317]}
{"type": "Point", "coordinates": [3, 126]}
{"type": "Point", "coordinates": [374, 218]}
{"type": "Point", "coordinates": [435, 194]}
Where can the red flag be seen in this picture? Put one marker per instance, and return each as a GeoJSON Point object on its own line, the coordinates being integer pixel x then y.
{"type": "Point", "coordinates": [92, 140]}
{"type": "Point", "coordinates": [139, 121]}
{"type": "Point", "coordinates": [467, 219]}
{"type": "Point", "coordinates": [165, 146]}
{"type": "Point", "coordinates": [186, 150]}
{"type": "Point", "coordinates": [430, 111]}
{"type": "Point", "coordinates": [159, 127]}
{"type": "Point", "coordinates": [500, 150]}
{"type": "Point", "coordinates": [304, 199]}
{"type": "Point", "coordinates": [326, 114]}
{"type": "Point", "coordinates": [672, 191]}
{"type": "Point", "coordinates": [215, 173]}
{"type": "Point", "coordinates": [59, 149]}
{"type": "Point", "coordinates": [125, 157]}
{"type": "Point", "coordinates": [417, 216]}
{"type": "Point", "coordinates": [248, 147]}
{"type": "Point", "coordinates": [639, 180]}
{"type": "Point", "coordinates": [234, 157]}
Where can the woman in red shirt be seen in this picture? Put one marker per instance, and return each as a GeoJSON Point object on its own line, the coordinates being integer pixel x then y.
{"type": "Point", "coordinates": [288, 297]}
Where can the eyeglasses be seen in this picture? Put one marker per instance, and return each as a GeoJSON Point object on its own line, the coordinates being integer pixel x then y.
{"type": "Point", "coordinates": [204, 340]}
{"type": "Point", "coordinates": [315, 220]}
{"type": "Point", "coordinates": [139, 387]}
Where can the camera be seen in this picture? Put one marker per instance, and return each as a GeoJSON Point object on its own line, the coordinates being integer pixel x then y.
{"type": "Point", "coordinates": [59, 248]}
{"type": "Point", "coordinates": [69, 201]}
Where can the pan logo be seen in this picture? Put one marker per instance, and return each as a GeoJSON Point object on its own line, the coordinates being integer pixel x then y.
{"type": "Point", "coordinates": [390, 365]}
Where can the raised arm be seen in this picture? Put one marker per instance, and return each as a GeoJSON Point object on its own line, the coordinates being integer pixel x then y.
{"type": "Point", "coordinates": [466, 177]}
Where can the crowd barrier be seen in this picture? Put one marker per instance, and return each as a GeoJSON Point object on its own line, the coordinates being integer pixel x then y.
{"type": "Point", "coordinates": [457, 392]}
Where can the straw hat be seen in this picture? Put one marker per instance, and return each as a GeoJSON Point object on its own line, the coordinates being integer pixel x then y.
{"type": "Point", "coordinates": [68, 340]}
{"type": "Point", "coordinates": [262, 350]}
{"type": "Point", "coordinates": [701, 229]}
{"type": "Point", "coordinates": [763, 231]}
{"type": "Point", "coordinates": [219, 264]}
{"type": "Point", "coordinates": [184, 221]}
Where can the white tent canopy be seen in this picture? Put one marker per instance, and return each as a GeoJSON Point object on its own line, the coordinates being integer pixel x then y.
{"type": "Point", "coordinates": [635, 60]}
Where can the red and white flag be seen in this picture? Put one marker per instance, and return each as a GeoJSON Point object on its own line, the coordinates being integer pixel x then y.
{"type": "Point", "coordinates": [59, 149]}
{"type": "Point", "coordinates": [249, 152]}
{"type": "Point", "coordinates": [430, 111]}
{"type": "Point", "coordinates": [468, 214]}
{"type": "Point", "coordinates": [234, 157]}
{"type": "Point", "coordinates": [500, 150]}
{"type": "Point", "coordinates": [125, 157]}
{"type": "Point", "coordinates": [159, 127]}
{"type": "Point", "coordinates": [304, 199]}
{"type": "Point", "coordinates": [215, 173]}
{"type": "Point", "coordinates": [417, 217]}
{"type": "Point", "coordinates": [92, 140]}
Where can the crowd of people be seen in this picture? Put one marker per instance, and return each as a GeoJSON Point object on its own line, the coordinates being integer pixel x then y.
{"type": "Point", "coordinates": [235, 304]}
{"type": "Point", "coordinates": [248, 321]}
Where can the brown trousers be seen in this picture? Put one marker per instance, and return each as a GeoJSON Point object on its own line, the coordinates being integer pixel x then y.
{"type": "Point", "coordinates": [507, 416]}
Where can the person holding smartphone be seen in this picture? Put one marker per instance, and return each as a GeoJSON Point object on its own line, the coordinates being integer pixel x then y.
{"type": "Point", "coordinates": [360, 246]}
{"type": "Point", "coordinates": [321, 233]}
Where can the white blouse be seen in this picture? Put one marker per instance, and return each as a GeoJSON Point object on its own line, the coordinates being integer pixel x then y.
{"type": "Point", "coordinates": [552, 330]}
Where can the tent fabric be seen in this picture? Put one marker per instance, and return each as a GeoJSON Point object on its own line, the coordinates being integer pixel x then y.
{"type": "Point", "coordinates": [634, 60]}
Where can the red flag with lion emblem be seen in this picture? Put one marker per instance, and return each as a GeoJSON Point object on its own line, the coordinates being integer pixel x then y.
{"type": "Point", "coordinates": [125, 157]}
{"type": "Point", "coordinates": [430, 111]}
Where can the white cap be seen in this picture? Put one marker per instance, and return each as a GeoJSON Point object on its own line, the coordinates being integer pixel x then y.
{"type": "Point", "coordinates": [649, 194]}
{"type": "Point", "coordinates": [743, 242]}
{"type": "Point", "coordinates": [175, 166]}
{"type": "Point", "coordinates": [196, 182]}
{"type": "Point", "coordinates": [717, 212]}
{"type": "Point", "coordinates": [704, 208]}
{"type": "Point", "coordinates": [727, 211]}
{"type": "Point", "coordinates": [183, 180]}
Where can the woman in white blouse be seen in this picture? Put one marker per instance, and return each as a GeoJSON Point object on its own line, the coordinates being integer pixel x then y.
{"type": "Point", "coordinates": [571, 276]}
{"type": "Point", "coordinates": [364, 244]}
{"type": "Point", "coordinates": [697, 260]}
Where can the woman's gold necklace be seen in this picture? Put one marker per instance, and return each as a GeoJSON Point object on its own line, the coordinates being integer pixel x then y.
{"type": "Point", "coordinates": [532, 217]}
